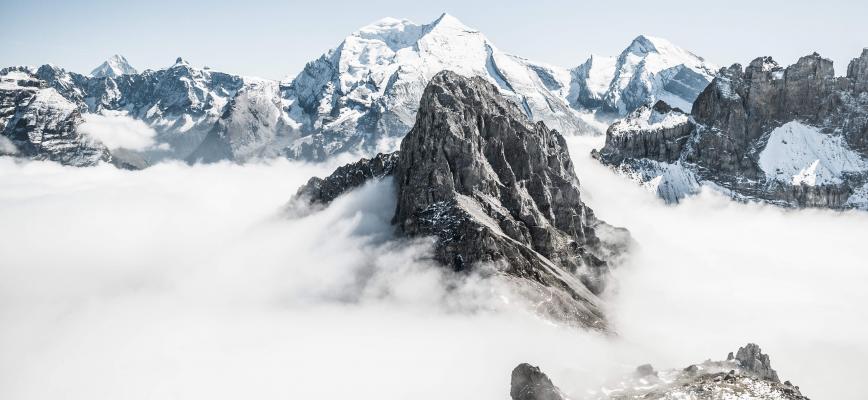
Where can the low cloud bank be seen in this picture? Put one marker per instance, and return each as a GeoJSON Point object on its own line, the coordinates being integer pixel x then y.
{"type": "Point", "coordinates": [117, 130]}
{"type": "Point", "coordinates": [187, 282]}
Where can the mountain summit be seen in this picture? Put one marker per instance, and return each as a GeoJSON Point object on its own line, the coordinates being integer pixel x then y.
{"type": "Point", "coordinates": [495, 190]}
{"type": "Point", "coordinates": [115, 66]}
{"type": "Point", "coordinates": [649, 69]}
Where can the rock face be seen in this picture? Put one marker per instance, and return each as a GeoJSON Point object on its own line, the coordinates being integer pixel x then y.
{"type": "Point", "coordinates": [748, 376]}
{"type": "Point", "coordinates": [529, 383]}
{"type": "Point", "coordinates": [497, 189]}
{"type": "Point", "coordinates": [348, 177]}
{"type": "Point", "coordinates": [795, 136]}
{"type": "Point", "coordinates": [752, 359]}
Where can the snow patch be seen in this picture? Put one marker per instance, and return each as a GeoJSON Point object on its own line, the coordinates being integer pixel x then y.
{"type": "Point", "coordinates": [648, 119]}
{"type": "Point", "coordinates": [800, 154]}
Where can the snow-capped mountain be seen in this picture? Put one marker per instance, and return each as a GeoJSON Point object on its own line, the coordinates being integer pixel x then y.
{"type": "Point", "coordinates": [363, 94]}
{"type": "Point", "coordinates": [115, 66]}
{"type": "Point", "coordinates": [793, 136]}
{"type": "Point", "coordinates": [649, 69]}
{"type": "Point", "coordinates": [36, 121]}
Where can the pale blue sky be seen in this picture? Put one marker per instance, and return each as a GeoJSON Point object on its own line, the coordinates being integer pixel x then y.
{"type": "Point", "coordinates": [274, 39]}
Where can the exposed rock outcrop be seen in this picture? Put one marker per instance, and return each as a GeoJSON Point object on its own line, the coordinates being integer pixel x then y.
{"type": "Point", "coordinates": [529, 383]}
{"type": "Point", "coordinates": [795, 136]}
{"type": "Point", "coordinates": [494, 188]}
{"type": "Point", "coordinates": [348, 177]}
{"type": "Point", "coordinates": [751, 358]}
{"type": "Point", "coordinates": [747, 376]}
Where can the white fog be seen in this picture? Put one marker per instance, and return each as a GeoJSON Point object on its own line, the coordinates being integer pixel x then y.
{"type": "Point", "coordinates": [191, 282]}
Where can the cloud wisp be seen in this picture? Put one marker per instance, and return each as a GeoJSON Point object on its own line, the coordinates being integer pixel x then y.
{"type": "Point", "coordinates": [117, 130]}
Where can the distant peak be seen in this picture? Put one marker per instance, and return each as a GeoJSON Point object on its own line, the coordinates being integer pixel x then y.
{"type": "Point", "coordinates": [180, 61]}
{"type": "Point", "coordinates": [114, 66]}
{"type": "Point", "coordinates": [448, 20]}
{"type": "Point", "coordinates": [644, 44]}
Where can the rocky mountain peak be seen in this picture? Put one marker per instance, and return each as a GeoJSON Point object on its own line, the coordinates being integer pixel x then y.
{"type": "Point", "coordinates": [494, 189]}
{"type": "Point", "coordinates": [180, 61]}
{"type": "Point", "coordinates": [529, 383]}
{"type": "Point", "coordinates": [752, 359]}
{"type": "Point", "coordinates": [794, 136]}
{"type": "Point", "coordinates": [857, 72]}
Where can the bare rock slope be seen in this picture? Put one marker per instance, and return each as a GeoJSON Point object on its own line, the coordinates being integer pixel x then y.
{"type": "Point", "coordinates": [493, 187]}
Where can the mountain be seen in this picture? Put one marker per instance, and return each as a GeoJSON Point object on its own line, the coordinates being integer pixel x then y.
{"type": "Point", "coordinates": [794, 136]}
{"type": "Point", "coordinates": [181, 103]}
{"type": "Point", "coordinates": [36, 121]}
{"type": "Point", "coordinates": [649, 69]}
{"type": "Point", "coordinates": [362, 95]}
{"type": "Point", "coordinates": [495, 189]}
{"type": "Point", "coordinates": [746, 375]}
{"type": "Point", "coordinates": [114, 67]}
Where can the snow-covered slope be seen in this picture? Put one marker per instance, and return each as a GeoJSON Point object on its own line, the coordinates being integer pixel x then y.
{"type": "Point", "coordinates": [362, 96]}
{"type": "Point", "coordinates": [366, 90]}
{"type": "Point", "coordinates": [115, 66]}
{"type": "Point", "coordinates": [800, 154]}
{"type": "Point", "coordinates": [649, 69]}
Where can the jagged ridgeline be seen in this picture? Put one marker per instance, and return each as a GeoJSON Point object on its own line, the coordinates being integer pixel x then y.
{"type": "Point", "coordinates": [493, 187]}
{"type": "Point", "coordinates": [746, 375]}
{"type": "Point", "coordinates": [794, 136]}
{"type": "Point", "coordinates": [360, 96]}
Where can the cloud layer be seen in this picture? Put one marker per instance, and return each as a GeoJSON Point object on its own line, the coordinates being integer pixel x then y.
{"type": "Point", "coordinates": [118, 131]}
{"type": "Point", "coordinates": [189, 282]}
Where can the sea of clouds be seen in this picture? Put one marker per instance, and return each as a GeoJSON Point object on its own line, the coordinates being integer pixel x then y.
{"type": "Point", "coordinates": [194, 282]}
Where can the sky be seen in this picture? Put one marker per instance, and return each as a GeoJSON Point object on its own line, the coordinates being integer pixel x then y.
{"type": "Point", "coordinates": [274, 39]}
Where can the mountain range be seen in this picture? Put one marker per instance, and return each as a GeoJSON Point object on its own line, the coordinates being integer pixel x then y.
{"type": "Point", "coordinates": [794, 136]}
{"type": "Point", "coordinates": [360, 96]}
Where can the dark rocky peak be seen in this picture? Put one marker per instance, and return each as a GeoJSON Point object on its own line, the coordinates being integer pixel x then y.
{"type": "Point", "coordinates": [761, 68]}
{"type": "Point", "coordinates": [812, 66]}
{"type": "Point", "coordinates": [181, 62]}
{"type": "Point", "coordinates": [348, 177]}
{"type": "Point", "coordinates": [752, 359]}
{"type": "Point", "coordinates": [529, 383]}
{"type": "Point", "coordinates": [476, 152]}
{"type": "Point", "coordinates": [493, 188]}
{"type": "Point", "coordinates": [857, 73]}
{"type": "Point", "coordinates": [663, 107]}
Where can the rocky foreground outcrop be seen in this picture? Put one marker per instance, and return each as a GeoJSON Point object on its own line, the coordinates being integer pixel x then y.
{"type": "Point", "coordinates": [493, 188]}
{"type": "Point", "coordinates": [794, 136]}
{"type": "Point", "coordinates": [748, 375]}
